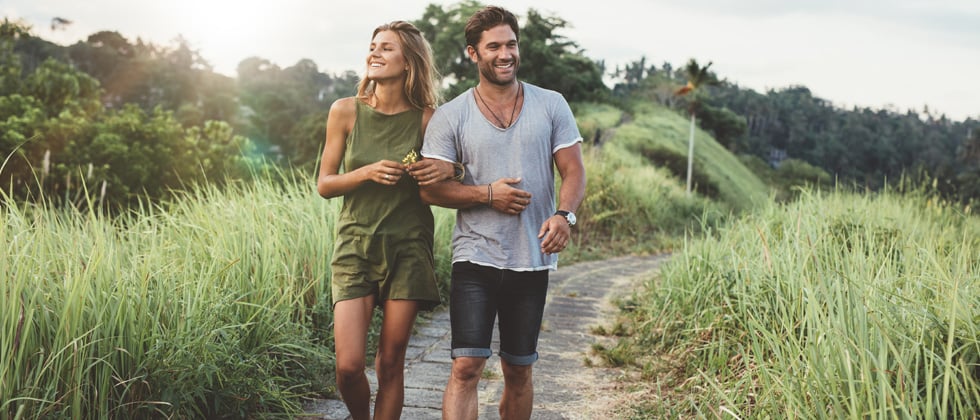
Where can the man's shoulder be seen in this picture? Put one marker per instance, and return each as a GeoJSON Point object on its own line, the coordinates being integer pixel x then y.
{"type": "Point", "coordinates": [456, 103]}
{"type": "Point", "coordinates": [546, 95]}
{"type": "Point", "coordinates": [538, 90]}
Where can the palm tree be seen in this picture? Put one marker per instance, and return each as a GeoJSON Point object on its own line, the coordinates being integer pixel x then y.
{"type": "Point", "coordinates": [697, 76]}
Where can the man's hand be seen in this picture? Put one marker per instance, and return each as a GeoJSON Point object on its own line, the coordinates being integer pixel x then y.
{"type": "Point", "coordinates": [507, 199]}
{"type": "Point", "coordinates": [430, 171]}
{"type": "Point", "coordinates": [554, 234]}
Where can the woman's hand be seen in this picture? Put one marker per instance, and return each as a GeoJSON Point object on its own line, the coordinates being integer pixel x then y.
{"type": "Point", "coordinates": [384, 172]}
{"type": "Point", "coordinates": [430, 171]}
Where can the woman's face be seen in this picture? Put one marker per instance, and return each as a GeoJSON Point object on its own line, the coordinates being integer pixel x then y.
{"type": "Point", "coordinates": [386, 59]}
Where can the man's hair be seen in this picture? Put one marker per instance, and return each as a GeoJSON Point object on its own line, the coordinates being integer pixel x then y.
{"type": "Point", "coordinates": [422, 81]}
{"type": "Point", "coordinates": [488, 18]}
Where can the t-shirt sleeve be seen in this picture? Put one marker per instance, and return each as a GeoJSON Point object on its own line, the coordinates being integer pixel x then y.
{"type": "Point", "coordinates": [564, 129]}
{"type": "Point", "coordinates": [439, 141]}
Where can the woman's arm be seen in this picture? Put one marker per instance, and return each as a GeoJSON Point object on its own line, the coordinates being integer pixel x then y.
{"type": "Point", "coordinates": [331, 183]}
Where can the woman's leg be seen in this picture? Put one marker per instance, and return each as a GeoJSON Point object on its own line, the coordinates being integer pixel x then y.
{"type": "Point", "coordinates": [396, 329]}
{"type": "Point", "coordinates": [351, 319]}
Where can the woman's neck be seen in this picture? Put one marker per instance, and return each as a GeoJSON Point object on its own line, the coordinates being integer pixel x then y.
{"type": "Point", "coordinates": [388, 99]}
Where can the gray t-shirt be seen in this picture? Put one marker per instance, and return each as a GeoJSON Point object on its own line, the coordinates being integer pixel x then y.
{"type": "Point", "coordinates": [459, 132]}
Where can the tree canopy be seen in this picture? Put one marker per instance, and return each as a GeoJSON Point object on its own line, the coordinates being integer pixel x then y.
{"type": "Point", "coordinates": [548, 59]}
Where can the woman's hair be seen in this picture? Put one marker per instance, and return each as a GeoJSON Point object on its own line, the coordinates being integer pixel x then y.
{"type": "Point", "coordinates": [488, 18]}
{"type": "Point", "coordinates": [421, 83]}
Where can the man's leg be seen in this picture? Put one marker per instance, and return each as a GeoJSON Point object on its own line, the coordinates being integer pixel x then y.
{"type": "Point", "coordinates": [522, 299]}
{"type": "Point", "coordinates": [472, 310]}
{"type": "Point", "coordinates": [459, 402]}
{"type": "Point", "coordinates": [518, 398]}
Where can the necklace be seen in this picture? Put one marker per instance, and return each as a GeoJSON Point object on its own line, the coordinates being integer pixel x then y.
{"type": "Point", "coordinates": [520, 91]}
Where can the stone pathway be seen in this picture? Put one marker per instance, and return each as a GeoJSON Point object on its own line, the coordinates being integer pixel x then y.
{"type": "Point", "coordinates": [579, 299]}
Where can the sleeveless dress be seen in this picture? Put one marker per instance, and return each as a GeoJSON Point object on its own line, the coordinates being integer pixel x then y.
{"type": "Point", "coordinates": [383, 244]}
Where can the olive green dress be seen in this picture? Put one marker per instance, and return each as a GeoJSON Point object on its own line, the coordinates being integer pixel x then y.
{"type": "Point", "coordinates": [384, 235]}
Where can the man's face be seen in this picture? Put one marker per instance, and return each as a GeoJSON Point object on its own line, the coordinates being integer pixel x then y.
{"type": "Point", "coordinates": [497, 56]}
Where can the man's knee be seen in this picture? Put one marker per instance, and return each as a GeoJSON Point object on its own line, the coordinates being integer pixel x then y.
{"type": "Point", "coordinates": [516, 374]}
{"type": "Point", "coordinates": [468, 369]}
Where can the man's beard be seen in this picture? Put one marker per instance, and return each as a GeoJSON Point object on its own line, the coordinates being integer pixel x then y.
{"type": "Point", "coordinates": [489, 72]}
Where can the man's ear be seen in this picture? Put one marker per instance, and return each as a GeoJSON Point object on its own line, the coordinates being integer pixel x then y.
{"type": "Point", "coordinates": [472, 52]}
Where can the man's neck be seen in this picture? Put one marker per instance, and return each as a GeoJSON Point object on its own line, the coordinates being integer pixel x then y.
{"type": "Point", "coordinates": [497, 92]}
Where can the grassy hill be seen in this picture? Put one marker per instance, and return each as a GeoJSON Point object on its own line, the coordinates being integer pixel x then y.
{"type": "Point", "coordinates": [637, 164]}
{"type": "Point", "coordinates": [830, 302]}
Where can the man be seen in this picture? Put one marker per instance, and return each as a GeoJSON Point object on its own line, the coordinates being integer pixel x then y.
{"type": "Point", "coordinates": [509, 136]}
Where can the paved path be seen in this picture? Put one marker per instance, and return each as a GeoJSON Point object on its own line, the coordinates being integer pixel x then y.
{"type": "Point", "coordinates": [578, 300]}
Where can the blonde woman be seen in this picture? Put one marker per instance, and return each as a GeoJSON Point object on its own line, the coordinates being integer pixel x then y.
{"type": "Point", "coordinates": [383, 247]}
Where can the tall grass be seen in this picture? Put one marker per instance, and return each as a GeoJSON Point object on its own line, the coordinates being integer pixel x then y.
{"type": "Point", "coordinates": [835, 306]}
{"type": "Point", "coordinates": [215, 305]}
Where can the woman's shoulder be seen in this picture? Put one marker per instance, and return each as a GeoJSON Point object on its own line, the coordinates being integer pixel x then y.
{"type": "Point", "coordinates": [347, 104]}
{"type": "Point", "coordinates": [344, 108]}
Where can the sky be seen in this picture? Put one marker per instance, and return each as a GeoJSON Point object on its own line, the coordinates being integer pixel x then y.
{"type": "Point", "coordinates": [889, 54]}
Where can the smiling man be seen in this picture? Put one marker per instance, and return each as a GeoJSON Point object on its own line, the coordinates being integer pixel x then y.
{"type": "Point", "coordinates": [509, 136]}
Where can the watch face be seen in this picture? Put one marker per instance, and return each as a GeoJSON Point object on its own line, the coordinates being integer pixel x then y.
{"type": "Point", "coordinates": [571, 218]}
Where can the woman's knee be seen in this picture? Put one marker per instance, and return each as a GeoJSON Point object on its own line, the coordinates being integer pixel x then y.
{"type": "Point", "coordinates": [390, 368]}
{"type": "Point", "coordinates": [349, 370]}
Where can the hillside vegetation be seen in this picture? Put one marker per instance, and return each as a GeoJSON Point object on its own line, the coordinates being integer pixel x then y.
{"type": "Point", "coordinates": [636, 204]}
{"type": "Point", "coordinates": [838, 305]}
{"type": "Point", "coordinates": [218, 301]}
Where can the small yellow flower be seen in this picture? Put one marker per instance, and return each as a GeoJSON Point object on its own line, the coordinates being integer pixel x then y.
{"type": "Point", "coordinates": [410, 158]}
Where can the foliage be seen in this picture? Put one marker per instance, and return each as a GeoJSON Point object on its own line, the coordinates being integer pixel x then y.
{"type": "Point", "coordinates": [444, 29]}
{"type": "Point", "coordinates": [723, 123]}
{"type": "Point", "coordinates": [552, 61]}
{"type": "Point", "coordinates": [790, 178]}
{"type": "Point", "coordinates": [697, 77]}
{"type": "Point", "coordinates": [841, 304]}
{"type": "Point", "coordinates": [286, 109]}
{"type": "Point", "coordinates": [859, 146]}
{"type": "Point", "coordinates": [632, 206]}
{"type": "Point", "coordinates": [548, 59]}
{"type": "Point", "coordinates": [661, 136]}
{"type": "Point", "coordinates": [870, 148]}
{"type": "Point", "coordinates": [58, 138]}
{"type": "Point", "coordinates": [213, 306]}
{"type": "Point", "coordinates": [151, 76]}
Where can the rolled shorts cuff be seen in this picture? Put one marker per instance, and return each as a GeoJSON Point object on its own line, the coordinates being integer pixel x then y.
{"type": "Point", "coordinates": [471, 352]}
{"type": "Point", "coordinates": [520, 360]}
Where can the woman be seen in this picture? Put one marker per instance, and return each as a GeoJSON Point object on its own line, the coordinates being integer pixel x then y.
{"type": "Point", "coordinates": [383, 247]}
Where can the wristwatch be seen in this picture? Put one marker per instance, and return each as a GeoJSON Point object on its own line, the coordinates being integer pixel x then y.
{"type": "Point", "coordinates": [569, 216]}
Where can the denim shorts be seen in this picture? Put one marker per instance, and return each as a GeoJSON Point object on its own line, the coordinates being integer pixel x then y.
{"type": "Point", "coordinates": [480, 294]}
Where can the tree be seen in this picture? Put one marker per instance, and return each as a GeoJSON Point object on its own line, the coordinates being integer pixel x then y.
{"type": "Point", "coordinates": [726, 125]}
{"type": "Point", "coordinates": [444, 31]}
{"type": "Point", "coordinates": [555, 62]}
{"type": "Point", "coordinates": [548, 59]}
{"type": "Point", "coordinates": [697, 77]}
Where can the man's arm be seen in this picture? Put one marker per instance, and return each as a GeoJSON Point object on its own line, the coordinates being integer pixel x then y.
{"type": "Point", "coordinates": [455, 195]}
{"type": "Point", "coordinates": [572, 171]}
{"type": "Point", "coordinates": [555, 231]}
